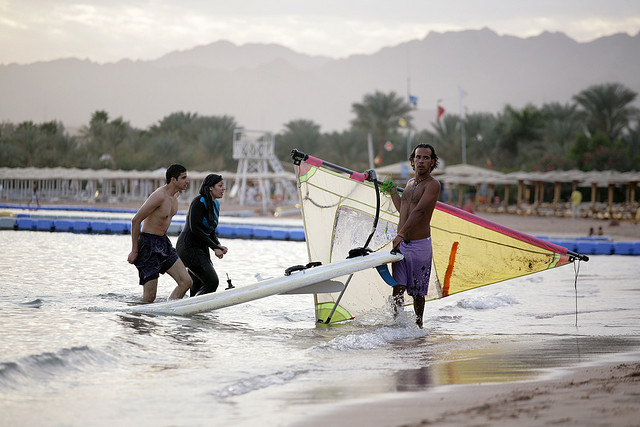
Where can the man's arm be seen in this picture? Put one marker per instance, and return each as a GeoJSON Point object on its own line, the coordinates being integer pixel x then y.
{"type": "Point", "coordinates": [397, 201]}
{"type": "Point", "coordinates": [147, 208]}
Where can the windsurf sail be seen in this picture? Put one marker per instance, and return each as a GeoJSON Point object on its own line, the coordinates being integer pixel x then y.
{"type": "Point", "coordinates": [338, 208]}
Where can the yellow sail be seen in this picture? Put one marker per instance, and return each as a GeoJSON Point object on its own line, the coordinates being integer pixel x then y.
{"type": "Point", "coordinates": [339, 206]}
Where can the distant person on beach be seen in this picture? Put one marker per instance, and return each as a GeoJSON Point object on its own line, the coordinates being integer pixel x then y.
{"type": "Point", "coordinates": [199, 235]}
{"type": "Point", "coordinates": [591, 231]}
{"type": "Point", "coordinates": [34, 197]}
{"type": "Point", "coordinates": [468, 205]}
{"type": "Point", "coordinates": [413, 238]}
{"type": "Point", "coordinates": [151, 250]}
{"type": "Point", "coordinates": [576, 199]}
{"type": "Point", "coordinates": [600, 232]}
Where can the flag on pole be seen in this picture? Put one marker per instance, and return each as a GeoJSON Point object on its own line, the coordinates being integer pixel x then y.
{"type": "Point", "coordinates": [440, 112]}
{"type": "Point", "coordinates": [413, 100]}
{"type": "Point", "coordinates": [462, 93]}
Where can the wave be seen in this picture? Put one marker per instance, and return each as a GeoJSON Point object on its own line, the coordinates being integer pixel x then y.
{"type": "Point", "coordinates": [48, 366]}
{"type": "Point", "coordinates": [487, 302]}
{"type": "Point", "coordinates": [370, 339]}
{"type": "Point", "coordinates": [257, 382]}
{"type": "Point", "coordinates": [36, 303]}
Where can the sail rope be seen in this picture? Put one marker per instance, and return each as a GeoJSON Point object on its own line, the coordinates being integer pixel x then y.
{"type": "Point", "coordinates": [576, 269]}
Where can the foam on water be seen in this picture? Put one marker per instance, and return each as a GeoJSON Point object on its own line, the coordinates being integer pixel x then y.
{"type": "Point", "coordinates": [487, 302]}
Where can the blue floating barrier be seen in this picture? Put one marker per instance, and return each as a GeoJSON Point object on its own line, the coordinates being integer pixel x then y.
{"type": "Point", "coordinates": [226, 231]}
{"type": "Point", "coordinates": [636, 248]}
{"type": "Point", "coordinates": [297, 235]}
{"type": "Point", "coordinates": [280, 234]}
{"type": "Point", "coordinates": [603, 248]}
{"type": "Point", "coordinates": [586, 247]}
{"type": "Point", "coordinates": [569, 244]}
{"type": "Point", "coordinates": [82, 226]}
{"type": "Point", "coordinates": [43, 224]}
{"type": "Point", "coordinates": [119, 227]}
{"type": "Point", "coordinates": [623, 248]}
{"type": "Point", "coordinates": [7, 222]}
{"type": "Point", "coordinates": [63, 225]}
{"type": "Point", "coordinates": [26, 223]}
{"type": "Point", "coordinates": [244, 232]}
{"type": "Point", "coordinates": [261, 233]}
{"type": "Point", "coordinates": [99, 226]}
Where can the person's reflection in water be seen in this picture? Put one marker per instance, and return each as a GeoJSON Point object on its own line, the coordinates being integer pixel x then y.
{"type": "Point", "coordinates": [413, 379]}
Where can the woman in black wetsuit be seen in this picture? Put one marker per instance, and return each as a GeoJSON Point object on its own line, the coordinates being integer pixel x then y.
{"type": "Point", "coordinates": [199, 235]}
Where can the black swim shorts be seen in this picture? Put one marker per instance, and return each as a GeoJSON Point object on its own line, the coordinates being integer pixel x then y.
{"type": "Point", "coordinates": [155, 256]}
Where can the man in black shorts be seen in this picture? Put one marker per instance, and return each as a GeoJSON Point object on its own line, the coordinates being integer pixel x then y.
{"type": "Point", "coordinates": [151, 249]}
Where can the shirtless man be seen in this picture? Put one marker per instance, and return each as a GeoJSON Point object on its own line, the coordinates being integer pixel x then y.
{"type": "Point", "coordinates": [414, 230]}
{"type": "Point", "coordinates": [151, 250]}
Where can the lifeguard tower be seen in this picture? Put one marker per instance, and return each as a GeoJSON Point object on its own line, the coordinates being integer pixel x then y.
{"type": "Point", "coordinates": [260, 178]}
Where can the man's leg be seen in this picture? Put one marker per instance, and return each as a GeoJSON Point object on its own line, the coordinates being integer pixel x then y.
{"type": "Point", "coordinates": [398, 299]}
{"type": "Point", "coordinates": [149, 290]}
{"type": "Point", "coordinates": [179, 273]}
{"type": "Point", "coordinates": [418, 307]}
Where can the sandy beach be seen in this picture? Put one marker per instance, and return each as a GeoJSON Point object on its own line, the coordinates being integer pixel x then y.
{"type": "Point", "coordinates": [591, 395]}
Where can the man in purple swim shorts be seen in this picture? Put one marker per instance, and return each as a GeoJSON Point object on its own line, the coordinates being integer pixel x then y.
{"type": "Point", "coordinates": [414, 230]}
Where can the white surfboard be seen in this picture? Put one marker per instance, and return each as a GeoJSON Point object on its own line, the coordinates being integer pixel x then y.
{"type": "Point", "coordinates": [277, 285]}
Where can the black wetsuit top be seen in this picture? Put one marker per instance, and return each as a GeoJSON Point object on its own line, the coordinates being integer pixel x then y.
{"type": "Point", "coordinates": [197, 236]}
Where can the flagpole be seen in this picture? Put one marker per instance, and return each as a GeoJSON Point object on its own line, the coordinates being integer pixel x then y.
{"type": "Point", "coordinates": [463, 134]}
{"type": "Point", "coordinates": [409, 99]}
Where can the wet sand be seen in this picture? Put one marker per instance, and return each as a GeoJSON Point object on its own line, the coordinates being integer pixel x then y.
{"type": "Point", "coordinates": [589, 395]}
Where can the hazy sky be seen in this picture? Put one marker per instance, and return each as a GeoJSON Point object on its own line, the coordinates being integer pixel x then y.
{"type": "Point", "coordinates": [110, 30]}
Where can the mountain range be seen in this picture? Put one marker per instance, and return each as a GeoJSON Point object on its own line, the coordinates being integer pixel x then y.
{"type": "Point", "coordinates": [264, 86]}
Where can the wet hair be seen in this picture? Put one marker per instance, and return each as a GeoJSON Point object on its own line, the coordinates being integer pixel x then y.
{"type": "Point", "coordinates": [174, 171]}
{"type": "Point", "coordinates": [434, 156]}
{"type": "Point", "coordinates": [211, 180]}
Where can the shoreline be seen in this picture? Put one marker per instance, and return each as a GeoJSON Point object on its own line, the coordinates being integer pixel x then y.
{"type": "Point", "coordinates": [594, 393]}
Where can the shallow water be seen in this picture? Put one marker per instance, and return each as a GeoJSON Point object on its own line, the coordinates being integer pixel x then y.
{"type": "Point", "coordinates": [71, 354]}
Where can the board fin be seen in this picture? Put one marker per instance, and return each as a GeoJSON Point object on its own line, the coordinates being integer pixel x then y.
{"type": "Point", "coordinates": [383, 271]}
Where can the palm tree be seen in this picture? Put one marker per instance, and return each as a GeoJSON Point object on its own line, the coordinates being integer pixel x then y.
{"type": "Point", "coordinates": [381, 113]}
{"type": "Point", "coordinates": [446, 138]}
{"type": "Point", "coordinates": [606, 108]}
{"type": "Point", "coordinates": [301, 134]}
{"type": "Point", "coordinates": [517, 127]}
{"type": "Point", "coordinates": [26, 141]}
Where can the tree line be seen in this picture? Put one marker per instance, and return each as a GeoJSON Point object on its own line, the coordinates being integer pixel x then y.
{"type": "Point", "coordinates": [598, 130]}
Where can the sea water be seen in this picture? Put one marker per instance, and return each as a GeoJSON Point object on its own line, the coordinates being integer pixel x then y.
{"type": "Point", "coordinates": [71, 354]}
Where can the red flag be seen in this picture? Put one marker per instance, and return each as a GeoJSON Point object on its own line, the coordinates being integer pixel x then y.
{"type": "Point", "coordinates": [440, 112]}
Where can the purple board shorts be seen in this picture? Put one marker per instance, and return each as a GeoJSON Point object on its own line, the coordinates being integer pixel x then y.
{"type": "Point", "coordinates": [155, 256]}
{"type": "Point", "coordinates": [415, 269]}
